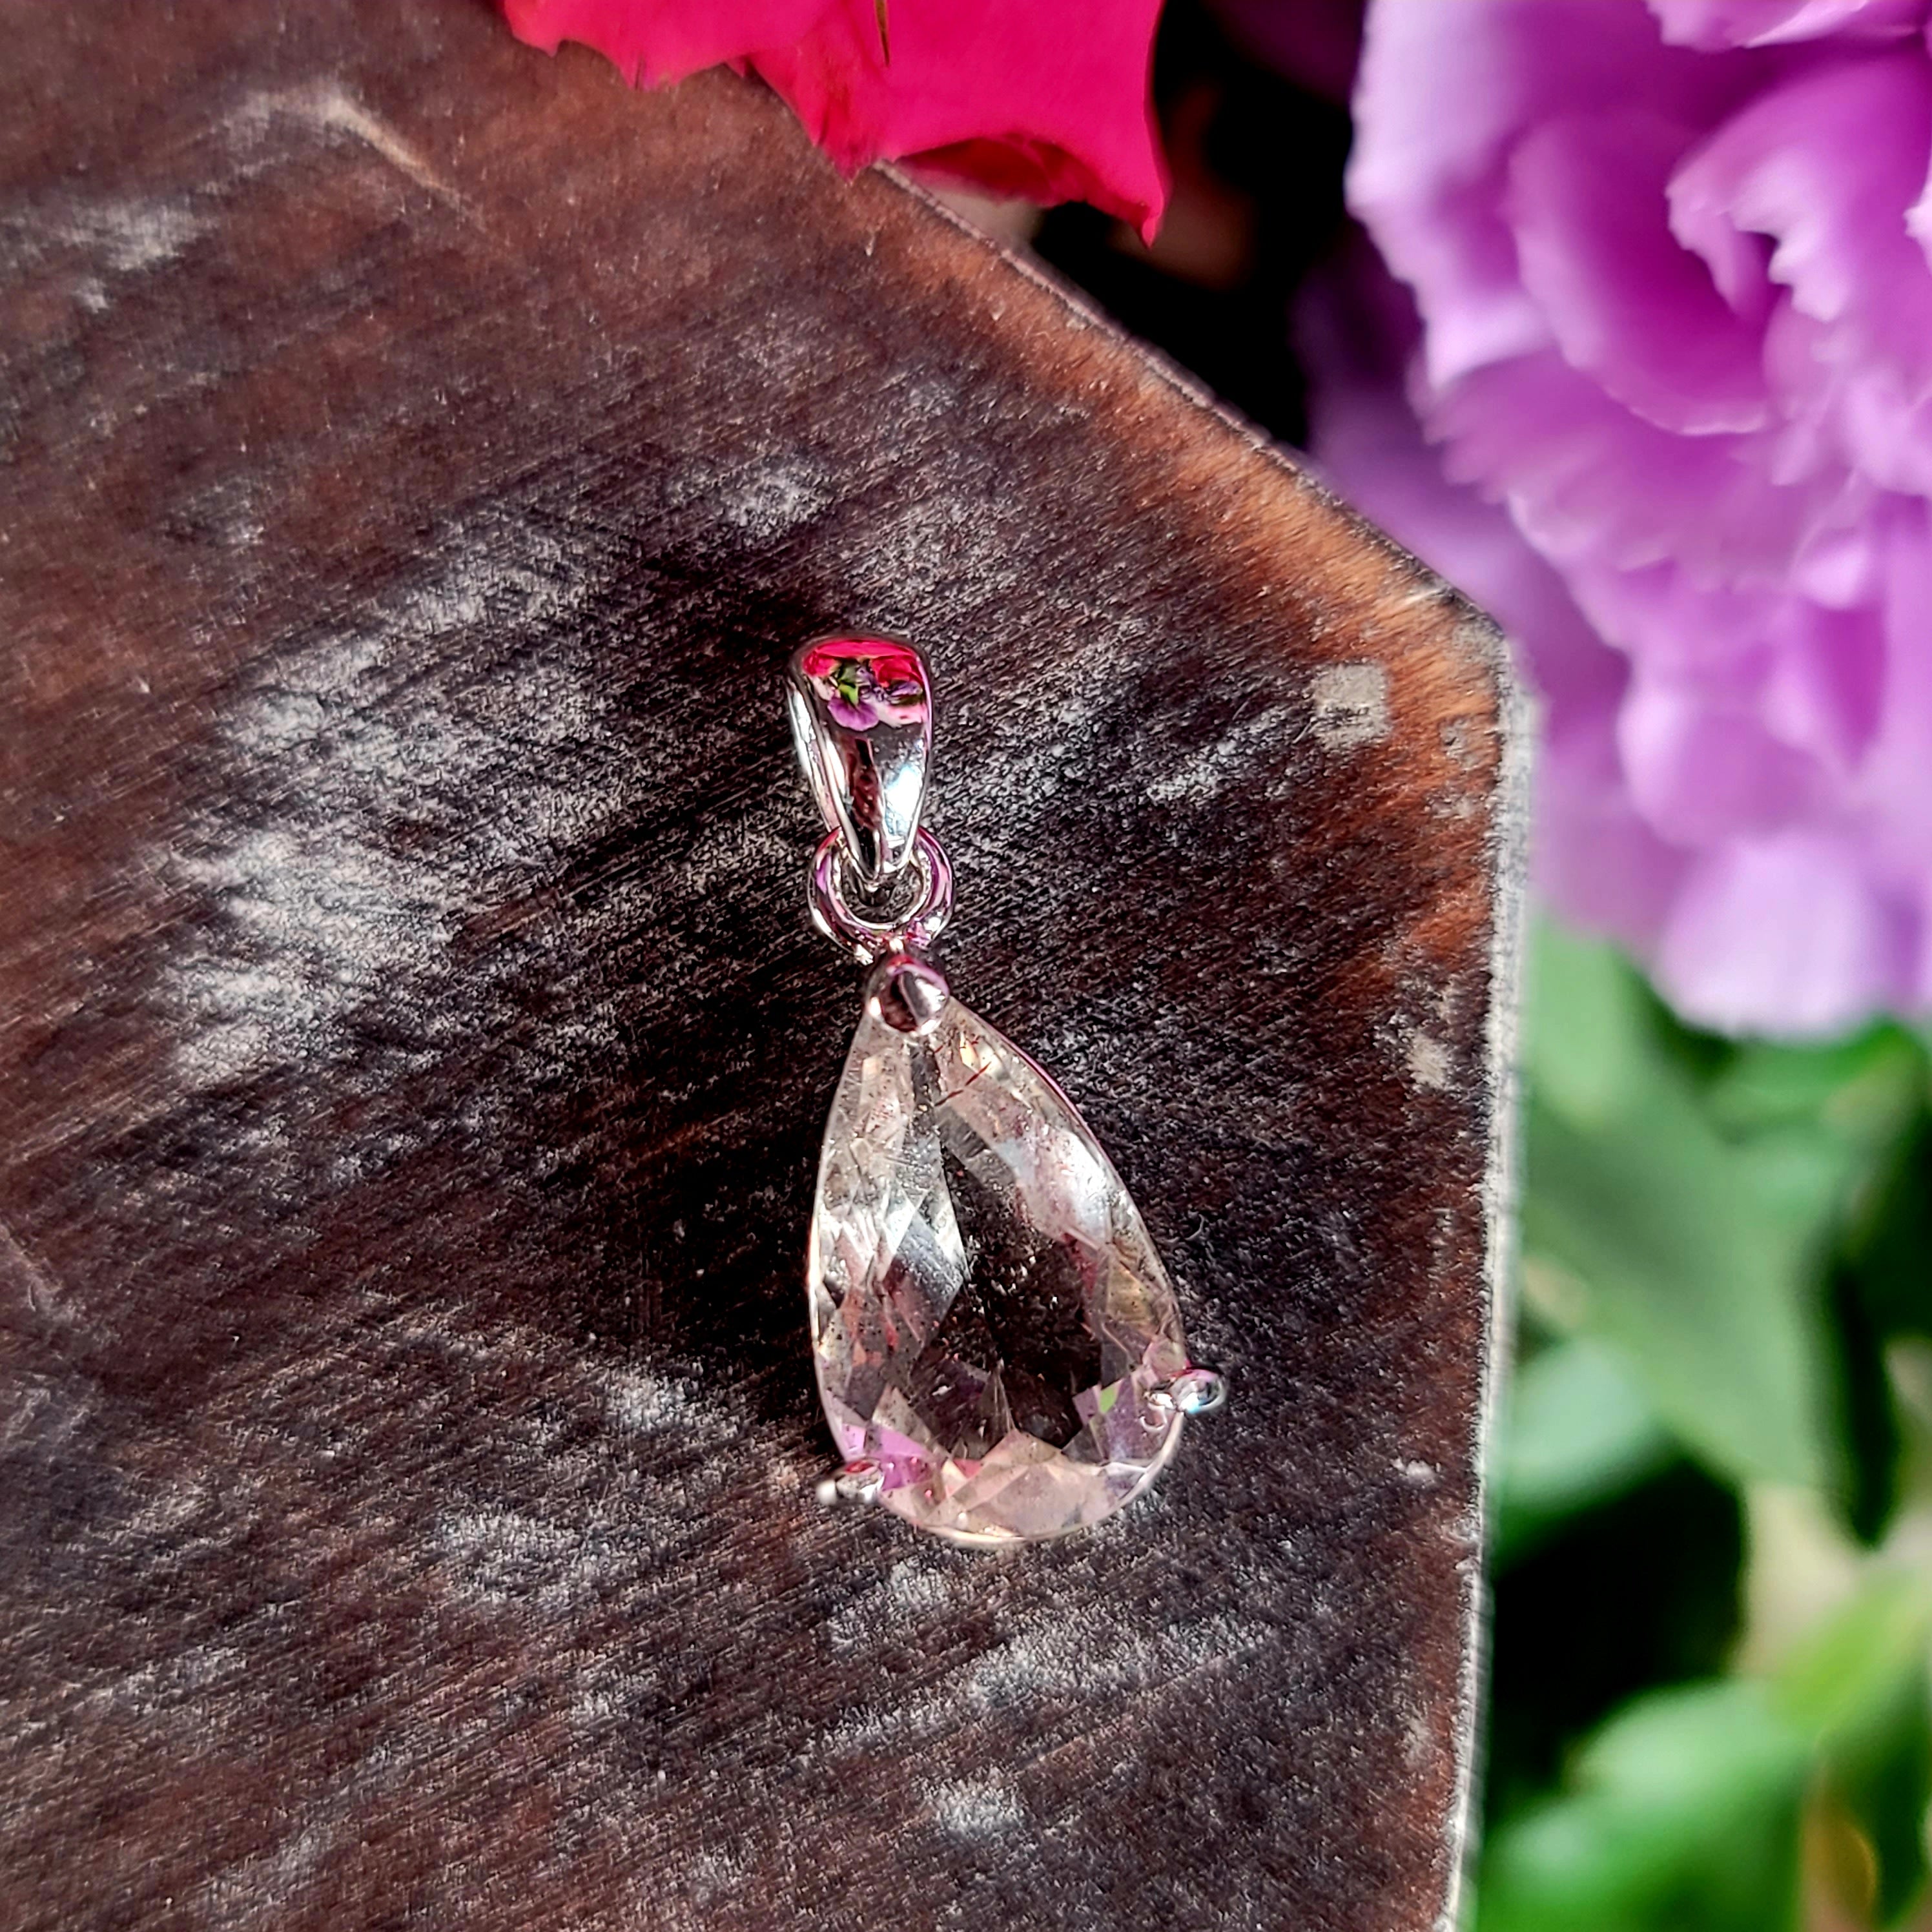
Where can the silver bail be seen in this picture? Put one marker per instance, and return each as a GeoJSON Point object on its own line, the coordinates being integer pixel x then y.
{"type": "Point", "coordinates": [861, 711]}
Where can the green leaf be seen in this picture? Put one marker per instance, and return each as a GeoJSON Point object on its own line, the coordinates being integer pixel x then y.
{"type": "Point", "coordinates": [1681, 1813]}
{"type": "Point", "coordinates": [1642, 1590]}
{"type": "Point", "coordinates": [1819, 1130]}
{"type": "Point", "coordinates": [1881, 1772]}
{"type": "Point", "coordinates": [1701, 1296]}
{"type": "Point", "coordinates": [1881, 1290]}
{"type": "Point", "coordinates": [1831, 1138]}
{"type": "Point", "coordinates": [1890, 1251]}
{"type": "Point", "coordinates": [1579, 1429]}
{"type": "Point", "coordinates": [1848, 1669]}
{"type": "Point", "coordinates": [1682, 1818]}
{"type": "Point", "coordinates": [1696, 1261]}
{"type": "Point", "coordinates": [1868, 1412]}
{"type": "Point", "coordinates": [1864, 1089]}
{"type": "Point", "coordinates": [1590, 1033]}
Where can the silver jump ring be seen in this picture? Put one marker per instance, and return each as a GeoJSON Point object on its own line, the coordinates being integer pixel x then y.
{"type": "Point", "coordinates": [912, 931]}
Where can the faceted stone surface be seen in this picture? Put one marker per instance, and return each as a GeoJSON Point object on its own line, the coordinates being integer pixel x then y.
{"type": "Point", "coordinates": [988, 1313]}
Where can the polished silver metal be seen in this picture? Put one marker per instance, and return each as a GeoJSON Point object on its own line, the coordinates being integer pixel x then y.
{"type": "Point", "coordinates": [909, 995]}
{"type": "Point", "coordinates": [1194, 1391]}
{"type": "Point", "coordinates": [854, 1482]}
{"type": "Point", "coordinates": [867, 934]}
{"type": "Point", "coordinates": [861, 713]}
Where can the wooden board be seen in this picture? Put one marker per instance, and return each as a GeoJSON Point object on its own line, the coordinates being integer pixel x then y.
{"type": "Point", "coordinates": [419, 456]}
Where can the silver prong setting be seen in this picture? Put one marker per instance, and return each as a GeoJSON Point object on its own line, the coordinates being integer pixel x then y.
{"type": "Point", "coordinates": [860, 1482]}
{"type": "Point", "coordinates": [1194, 1391]}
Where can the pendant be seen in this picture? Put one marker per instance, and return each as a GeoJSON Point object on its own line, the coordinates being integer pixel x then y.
{"type": "Point", "coordinates": [999, 1349]}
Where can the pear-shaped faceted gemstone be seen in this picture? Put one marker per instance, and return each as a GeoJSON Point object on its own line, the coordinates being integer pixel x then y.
{"type": "Point", "coordinates": [988, 1314]}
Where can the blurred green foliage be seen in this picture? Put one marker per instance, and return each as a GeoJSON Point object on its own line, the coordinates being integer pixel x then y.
{"type": "Point", "coordinates": [1712, 1495]}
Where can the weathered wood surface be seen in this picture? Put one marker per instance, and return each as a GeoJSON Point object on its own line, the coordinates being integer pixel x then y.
{"type": "Point", "coordinates": [418, 457]}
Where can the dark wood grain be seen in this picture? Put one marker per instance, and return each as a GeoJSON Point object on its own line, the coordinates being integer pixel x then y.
{"type": "Point", "coordinates": [418, 456]}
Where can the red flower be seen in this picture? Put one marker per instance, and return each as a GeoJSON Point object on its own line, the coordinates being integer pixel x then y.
{"type": "Point", "coordinates": [1049, 102]}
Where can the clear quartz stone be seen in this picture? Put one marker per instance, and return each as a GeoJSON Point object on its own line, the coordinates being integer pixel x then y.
{"type": "Point", "coordinates": [988, 1316]}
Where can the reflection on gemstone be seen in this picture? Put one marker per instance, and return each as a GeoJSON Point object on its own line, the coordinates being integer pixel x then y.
{"type": "Point", "coordinates": [987, 1314]}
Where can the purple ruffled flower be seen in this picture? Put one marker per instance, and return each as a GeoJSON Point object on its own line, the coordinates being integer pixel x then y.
{"type": "Point", "coordinates": [1672, 268]}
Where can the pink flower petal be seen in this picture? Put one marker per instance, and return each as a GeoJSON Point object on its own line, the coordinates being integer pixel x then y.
{"type": "Point", "coordinates": [654, 44]}
{"type": "Point", "coordinates": [1447, 88]}
{"type": "Point", "coordinates": [1895, 788]}
{"type": "Point", "coordinates": [1051, 103]}
{"type": "Point", "coordinates": [1702, 763]}
{"type": "Point", "coordinates": [1825, 167]}
{"type": "Point", "coordinates": [1629, 306]}
{"type": "Point", "coordinates": [1785, 934]}
{"type": "Point", "coordinates": [1825, 691]}
{"type": "Point", "coordinates": [1588, 479]}
{"type": "Point", "coordinates": [1060, 93]}
{"type": "Point", "coordinates": [1601, 862]}
{"type": "Point", "coordinates": [1678, 329]}
{"type": "Point", "coordinates": [1757, 23]}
